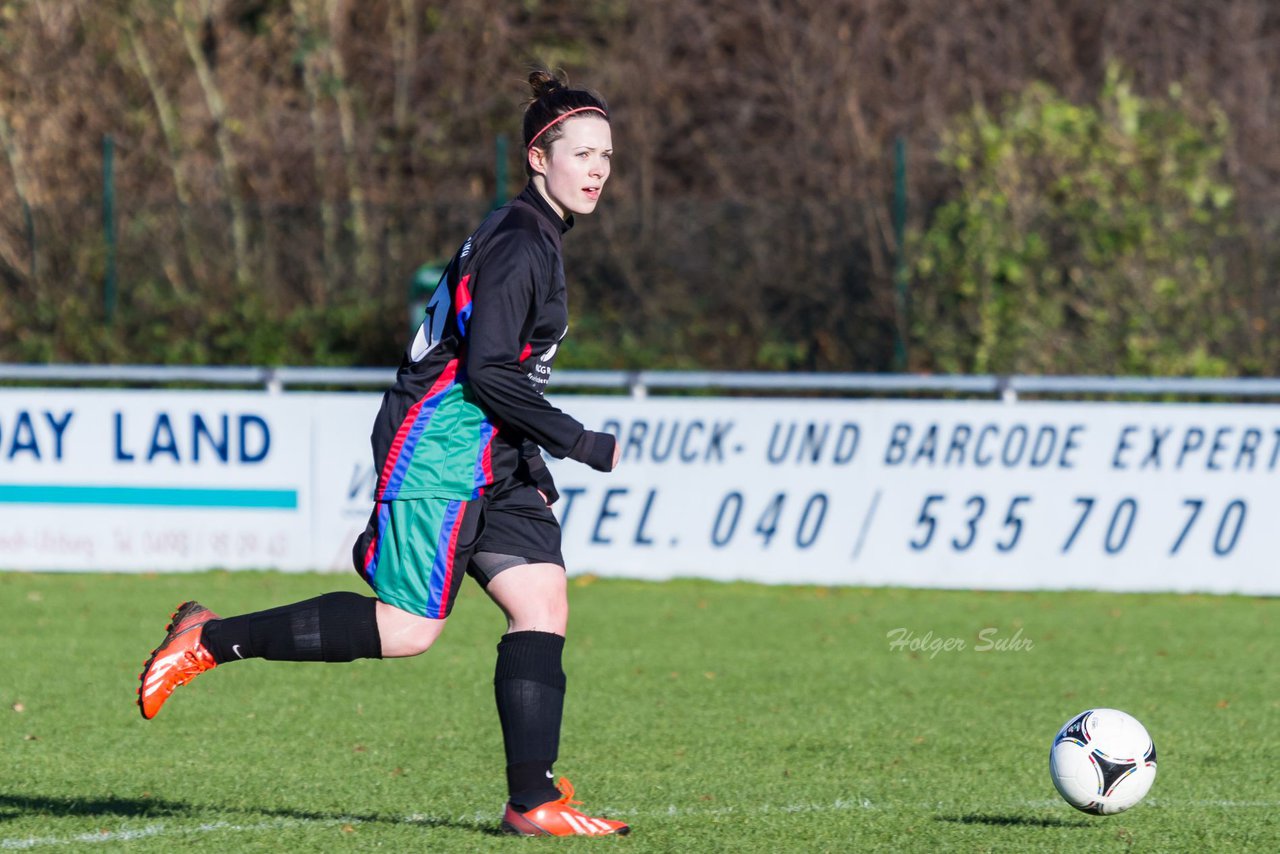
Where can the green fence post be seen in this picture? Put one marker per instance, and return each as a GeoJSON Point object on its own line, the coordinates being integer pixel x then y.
{"type": "Point", "coordinates": [109, 224]}
{"type": "Point", "coordinates": [900, 251]}
{"type": "Point", "coordinates": [500, 171]}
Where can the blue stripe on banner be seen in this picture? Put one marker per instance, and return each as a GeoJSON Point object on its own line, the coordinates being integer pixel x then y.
{"type": "Point", "coordinates": [149, 496]}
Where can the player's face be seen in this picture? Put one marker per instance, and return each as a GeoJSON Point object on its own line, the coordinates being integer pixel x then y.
{"type": "Point", "coordinates": [577, 165]}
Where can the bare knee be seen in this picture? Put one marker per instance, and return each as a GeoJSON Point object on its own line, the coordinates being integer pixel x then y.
{"type": "Point", "coordinates": [533, 597]}
{"type": "Point", "coordinates": [548, 615]}
{"type": "Point", "coordinates": [405, 634]}
{"type": "Point", "coordinates": [408, 643]}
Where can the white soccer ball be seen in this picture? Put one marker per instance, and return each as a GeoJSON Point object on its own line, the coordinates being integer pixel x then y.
{"type": "Point", "coordinates": [1103, 761]}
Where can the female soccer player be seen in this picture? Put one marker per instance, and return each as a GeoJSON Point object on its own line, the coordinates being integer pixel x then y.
{"type": "Point", "coordinates": [462, 485]}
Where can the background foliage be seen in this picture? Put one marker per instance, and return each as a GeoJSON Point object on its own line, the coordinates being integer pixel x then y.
{"type": "Point", "coordinates": [282, 167]}
{"type": "Point", "coordinates": [1082, 239]}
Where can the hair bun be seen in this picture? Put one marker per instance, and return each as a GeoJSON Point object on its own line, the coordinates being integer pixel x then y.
{"type": "Point", "coordinates": [543, 82]}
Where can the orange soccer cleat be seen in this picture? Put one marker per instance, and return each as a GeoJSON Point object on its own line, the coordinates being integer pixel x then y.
{"type": "Point", "coordinates": [180, 658]}
{"type": "Point", "coordinates": [559, 818]}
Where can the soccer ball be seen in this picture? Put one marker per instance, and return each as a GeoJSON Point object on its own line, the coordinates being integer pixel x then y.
{"type": "Point", "coordinates": [1102, 761]}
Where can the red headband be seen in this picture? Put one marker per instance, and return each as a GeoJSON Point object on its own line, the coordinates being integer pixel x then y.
{"type": "Point", "coordinates": [561, 118]}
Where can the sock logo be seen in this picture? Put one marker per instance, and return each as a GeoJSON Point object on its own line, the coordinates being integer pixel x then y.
{"type": "Point", "coordinates": [235, 647]}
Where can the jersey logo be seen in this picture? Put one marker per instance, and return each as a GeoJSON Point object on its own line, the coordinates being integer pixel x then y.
{"type": "Point", "coordinates": [551, 354]}
{"type": "Point", "coordinates": [432, 327]}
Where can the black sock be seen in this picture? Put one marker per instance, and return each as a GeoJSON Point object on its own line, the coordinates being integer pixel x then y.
{"type": "Point", "coordinates": [528, 684]}
{"type": "Point", "coordinates": [332, 627]}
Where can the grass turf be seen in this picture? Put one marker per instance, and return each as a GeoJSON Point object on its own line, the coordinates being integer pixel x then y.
{"type": "Point", "coordinates": [713, 717]}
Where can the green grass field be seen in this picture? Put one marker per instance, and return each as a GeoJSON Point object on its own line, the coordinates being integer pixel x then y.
{"type": "Point", "coordinates": [712, 717]}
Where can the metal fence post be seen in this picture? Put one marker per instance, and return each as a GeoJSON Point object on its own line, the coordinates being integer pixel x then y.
{"type": "Point", "coordinates": [109, 224]}
{"type": "Point", "coordinates": [900, 251]}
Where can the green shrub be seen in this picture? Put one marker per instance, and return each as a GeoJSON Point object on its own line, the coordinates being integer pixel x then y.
{"type": "Point", "coordinates": [1080, 239]}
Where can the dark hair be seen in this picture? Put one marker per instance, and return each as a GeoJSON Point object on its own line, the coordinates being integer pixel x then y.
{"type": "Point", "coordinates": [552, 97]}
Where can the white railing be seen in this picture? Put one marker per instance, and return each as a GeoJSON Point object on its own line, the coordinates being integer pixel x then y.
{"type": "Point", "coordinates": [640, 383]}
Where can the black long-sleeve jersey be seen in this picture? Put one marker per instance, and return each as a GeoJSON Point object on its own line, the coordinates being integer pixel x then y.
{"type": "Point", "coordinates": [467, 407]}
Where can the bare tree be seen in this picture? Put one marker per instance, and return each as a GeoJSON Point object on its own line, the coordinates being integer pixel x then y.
{"type": "Point", "coordinates": [312, 61]}
{"type": "Point", "coordinates": [171, 128]}
{"type": "Point", "coordinates": [343, 89]}
{"type": "Point", "coordinates": [221, 131]}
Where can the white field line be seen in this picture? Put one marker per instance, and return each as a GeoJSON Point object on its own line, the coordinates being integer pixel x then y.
{"type": "Point", "coordinates": [486, 819]}
{"type": "Point", "coordinates": [161, 829]}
